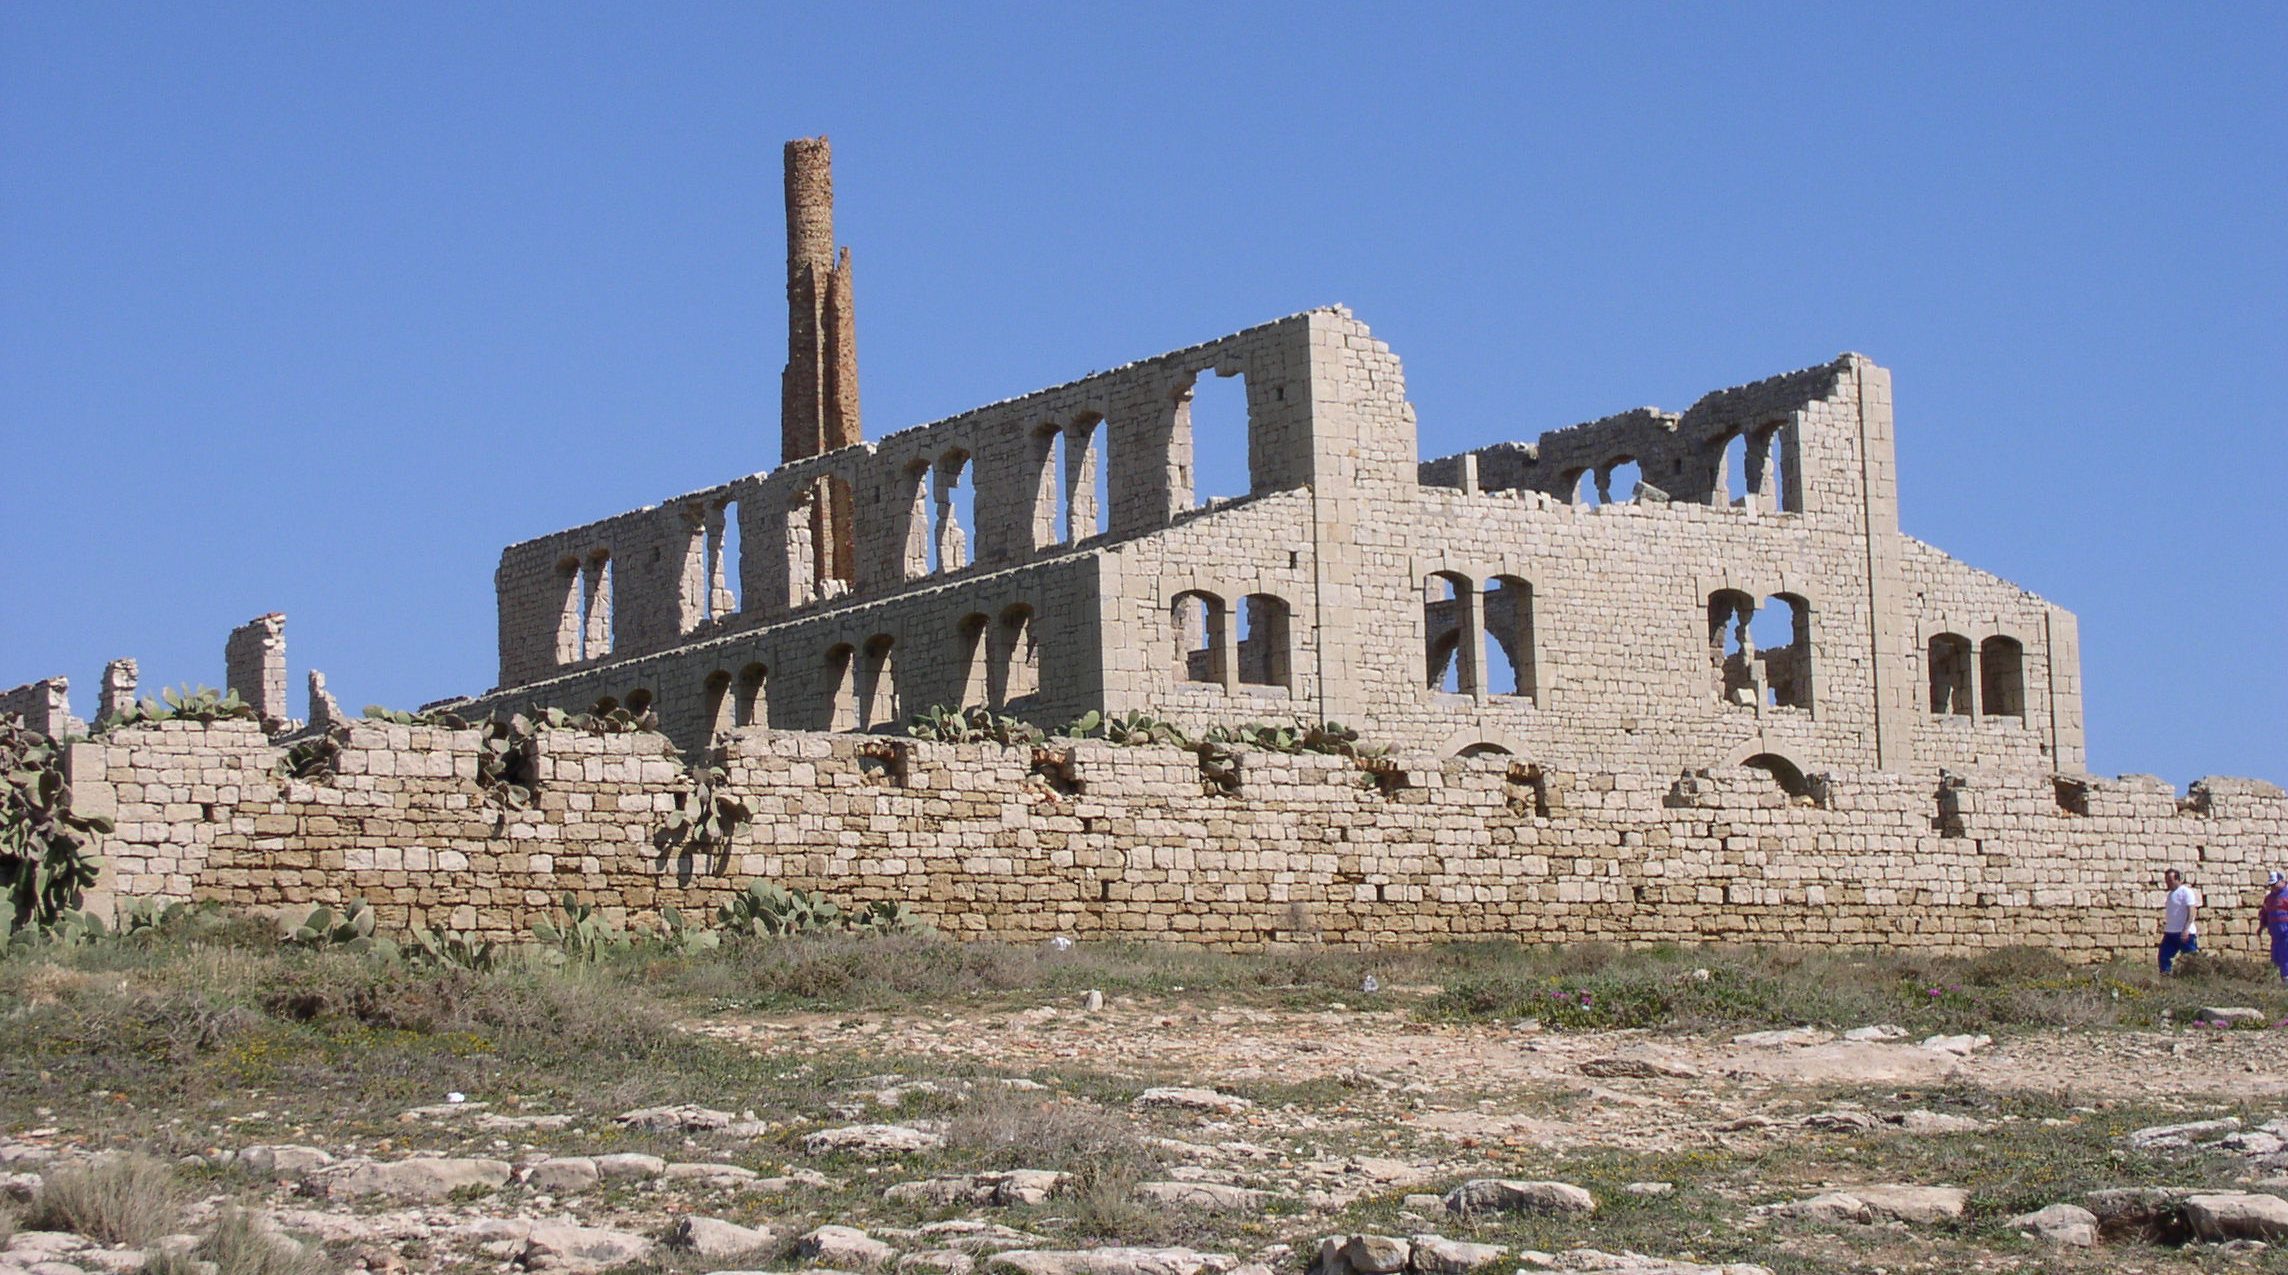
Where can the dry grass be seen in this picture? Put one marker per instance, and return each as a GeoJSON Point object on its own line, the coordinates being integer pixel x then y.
{"type": "Point", "coordinates": [240, 1244]}
{"type": "Point", "coordinates": [115, 1199]}
{"type": "Point", "coordinates": [1001, 1129]}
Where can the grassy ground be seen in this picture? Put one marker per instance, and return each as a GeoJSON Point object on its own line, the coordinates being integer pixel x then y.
{"type": "Point", "coordinates": [217, 1037]}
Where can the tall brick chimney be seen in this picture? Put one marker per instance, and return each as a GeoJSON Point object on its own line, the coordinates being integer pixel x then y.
{"type": "Point", "coordinates": [818, 392]}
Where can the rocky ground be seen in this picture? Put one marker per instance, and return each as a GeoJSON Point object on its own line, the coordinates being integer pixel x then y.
{"type": "Point", "coordinates": [1165, 1134]}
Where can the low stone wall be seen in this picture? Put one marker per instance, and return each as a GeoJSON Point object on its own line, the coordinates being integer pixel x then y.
{"type": "Point", "coordinates": [1097, 842]}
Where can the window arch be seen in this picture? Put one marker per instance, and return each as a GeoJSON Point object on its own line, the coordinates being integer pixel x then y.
{"type": "Point", "coordinates": [1212, 418]}
{"type": "Point", "coordinates": [1265, 658]}
{"type": "Point", "coordinates": [1617, 480]}
{"type": "Point", "coordinates": [918, 553]}
{"type": "Point", "coordinates": [956, 513]}
{"type": "Point", "coordinates": [1785, 773]}
{"type": "Point", "coordinates": [1783, 650]}
{"type": "Point", "coordinates": [1731, 646]}
{"type": "Point", "coordinates": [1016, 664]}
{"type": "Point", "coordinates": [841, 693]}
{"type": "Point", "coordinates": [1198, 620]}
{"type": "Point", "coordinates": [1580, 486]}
{"type": "Point", "coordinates": [2002, 677]}
{"type": "Point", "coordinates": [715, 703]}
{"type": "Point", "coordinates": [596, 640]}
{"type": "Point", "coordinates": [1450, 633]}
{"type": "Point", "coordinates": [834, 528]}
{"type": "Point", "coordinates": [1510, 668]}
{"type": "Point", "coordinates": [1728, 487]}
{"type": "Point", "coordinates": [878, 703]}
{"type": "Point", "coordinates": [723, 550]}
{"type": "Point", "coordinates": [969, 648]}
{"type": "Point", "coordinates": [748, 707]}
{"type": "Point", "coordinates": [1052, 514]}
{"type": "Point", "coordinates": [1088, 476]}
{"type": "Point", "coordinates": [572, 616]}
{"type": "Point", "coordinates": [1950, 672]}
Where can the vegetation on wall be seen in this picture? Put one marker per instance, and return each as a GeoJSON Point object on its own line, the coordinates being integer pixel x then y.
{"type": "Point", "coordinates": [182, 704]}
{"type": "Point", "coordinates": [46, 857]}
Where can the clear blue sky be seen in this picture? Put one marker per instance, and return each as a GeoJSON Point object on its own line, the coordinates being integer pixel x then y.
{"type": "Point", "coordinates": [313, 308]}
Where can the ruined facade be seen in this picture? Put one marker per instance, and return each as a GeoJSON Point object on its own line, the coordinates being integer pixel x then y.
{"type": "Point", "coordinates": [1649, 591]}
{"type": "Point", "coordinates": [1592, 654]}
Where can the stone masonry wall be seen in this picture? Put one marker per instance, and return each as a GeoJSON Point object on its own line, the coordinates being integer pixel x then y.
{"type": "Point", "coordinates": [1102, 842]}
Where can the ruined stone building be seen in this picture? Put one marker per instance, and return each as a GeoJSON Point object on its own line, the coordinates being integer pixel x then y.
{"type": "Point", "coordinates": [1652, 590]}
{"type": "Point", "coordinates": [1642, 612]}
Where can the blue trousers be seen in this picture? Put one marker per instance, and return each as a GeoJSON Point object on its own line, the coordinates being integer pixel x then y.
{"type": "Point", "coordinates": [2280, 950]}
{"type": "Point", "coordinates": [2175, 945]}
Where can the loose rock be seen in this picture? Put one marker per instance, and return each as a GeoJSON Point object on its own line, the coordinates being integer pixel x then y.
{"type": "Point", "coordinates": [1200, 1195]}
{"type": "Point", "coordinates": [285, 1160]}
{"type": "Point", "coordinates": [2237, 1215]}
{"type": "Point", "coordinates": [680, 1118]}
{"type": "Point", "coordinates": [2066, 1224]}
{"type": "Point", "coordinates": [416, 1179]}
{"type": "Point", "coordinates": [1437, 1255]}
{"type": "Point", "coordinates": [870, 1140]}
{"type": "Point", "coordinates": [713, 1237]}
{"type": "Point", "coordinates": [845, 1247]}
{"type": "Point", "coordinates": [559, 1246]}
{"type": "Point", "coordinates": [1182, 1099]}
{"type": "Point", "coordinates": [563, 1174]}
{"type": "Point", "coordinates": [1512, 1196]}
{"type": "Point", "coordinates": [1113, 1261]}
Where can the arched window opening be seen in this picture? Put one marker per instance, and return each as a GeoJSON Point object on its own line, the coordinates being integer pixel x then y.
{"type": "Point", "coordinates": [1730, 489]}
{"type": "Point", "coordinates": [722, 561]}
{"type": "Point", "coordinates": [1950, 670]}
{"type": "Point", "coordinates": [1016, 664]}
{"type": "Point", "coordinates": [1052, 511]}
{"type": "Point", "coordinates": [1782, 634]}
{"type": "Point", "coordinates": [715, 704]}
{"type": "Point", "coordinates": [878, 705]}
{"type": "Point", "coordinates": [1580, 486]}
{"type": "Point", "coordinates": [969, 639]}
{"type": "Point", "coordinates": [1510, 655]}
{"type": "Point", "coordinates": [918, 558]}
{"type": "Point", "coordinates": [1198, 619]}
{"type": "Point", "coordinates": [1213, 416]}
{"type": "Point", "coordinates": [2002, 678]}
{"type": "Point", "coordinates": [1731, 647]}
{"type": "Point", "coordinates": [1768, 476]}
{"type": "Point", "coordinates": [1617, 481]}
{"type": "Point", "coordinates": [597, 629]}
{"type": "Point", "coordinates": [1452, 658]}
{"type": "Point", "coordinates": [1088, 477]}
{"type": "Point", "coordinates": [835, 537]}
{"type": "Point", "coordinates": [748, 705]}
{"type": "Point", "coordinates": [1785, 773]}
{"type": "Point", "coordinates": [801, 557]}
{"type": "Point", "coordinates": [955, 514]}
{"type": "Point", "coordinates": [694, 585]}
{"type": "Point", "coordinates": [841, 690]}
{"type": "Point", "coordinates": [572, 612]}
{"type": "Point", "coordinates": [1264, 630]}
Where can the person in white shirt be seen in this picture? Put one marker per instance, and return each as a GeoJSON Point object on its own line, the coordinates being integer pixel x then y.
{"type": "Point", "coordinates": [2180, 924]}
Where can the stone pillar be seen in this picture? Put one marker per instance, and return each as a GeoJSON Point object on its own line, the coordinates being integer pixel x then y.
{"type": "Point", "coordinates": [325, 711]}
{"type": "Point", "coordinates": [254, 661]}
{"type": "Point", "coordinates": [44, 705]}
{"type": "Point", "coordinates": [119, 681]}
